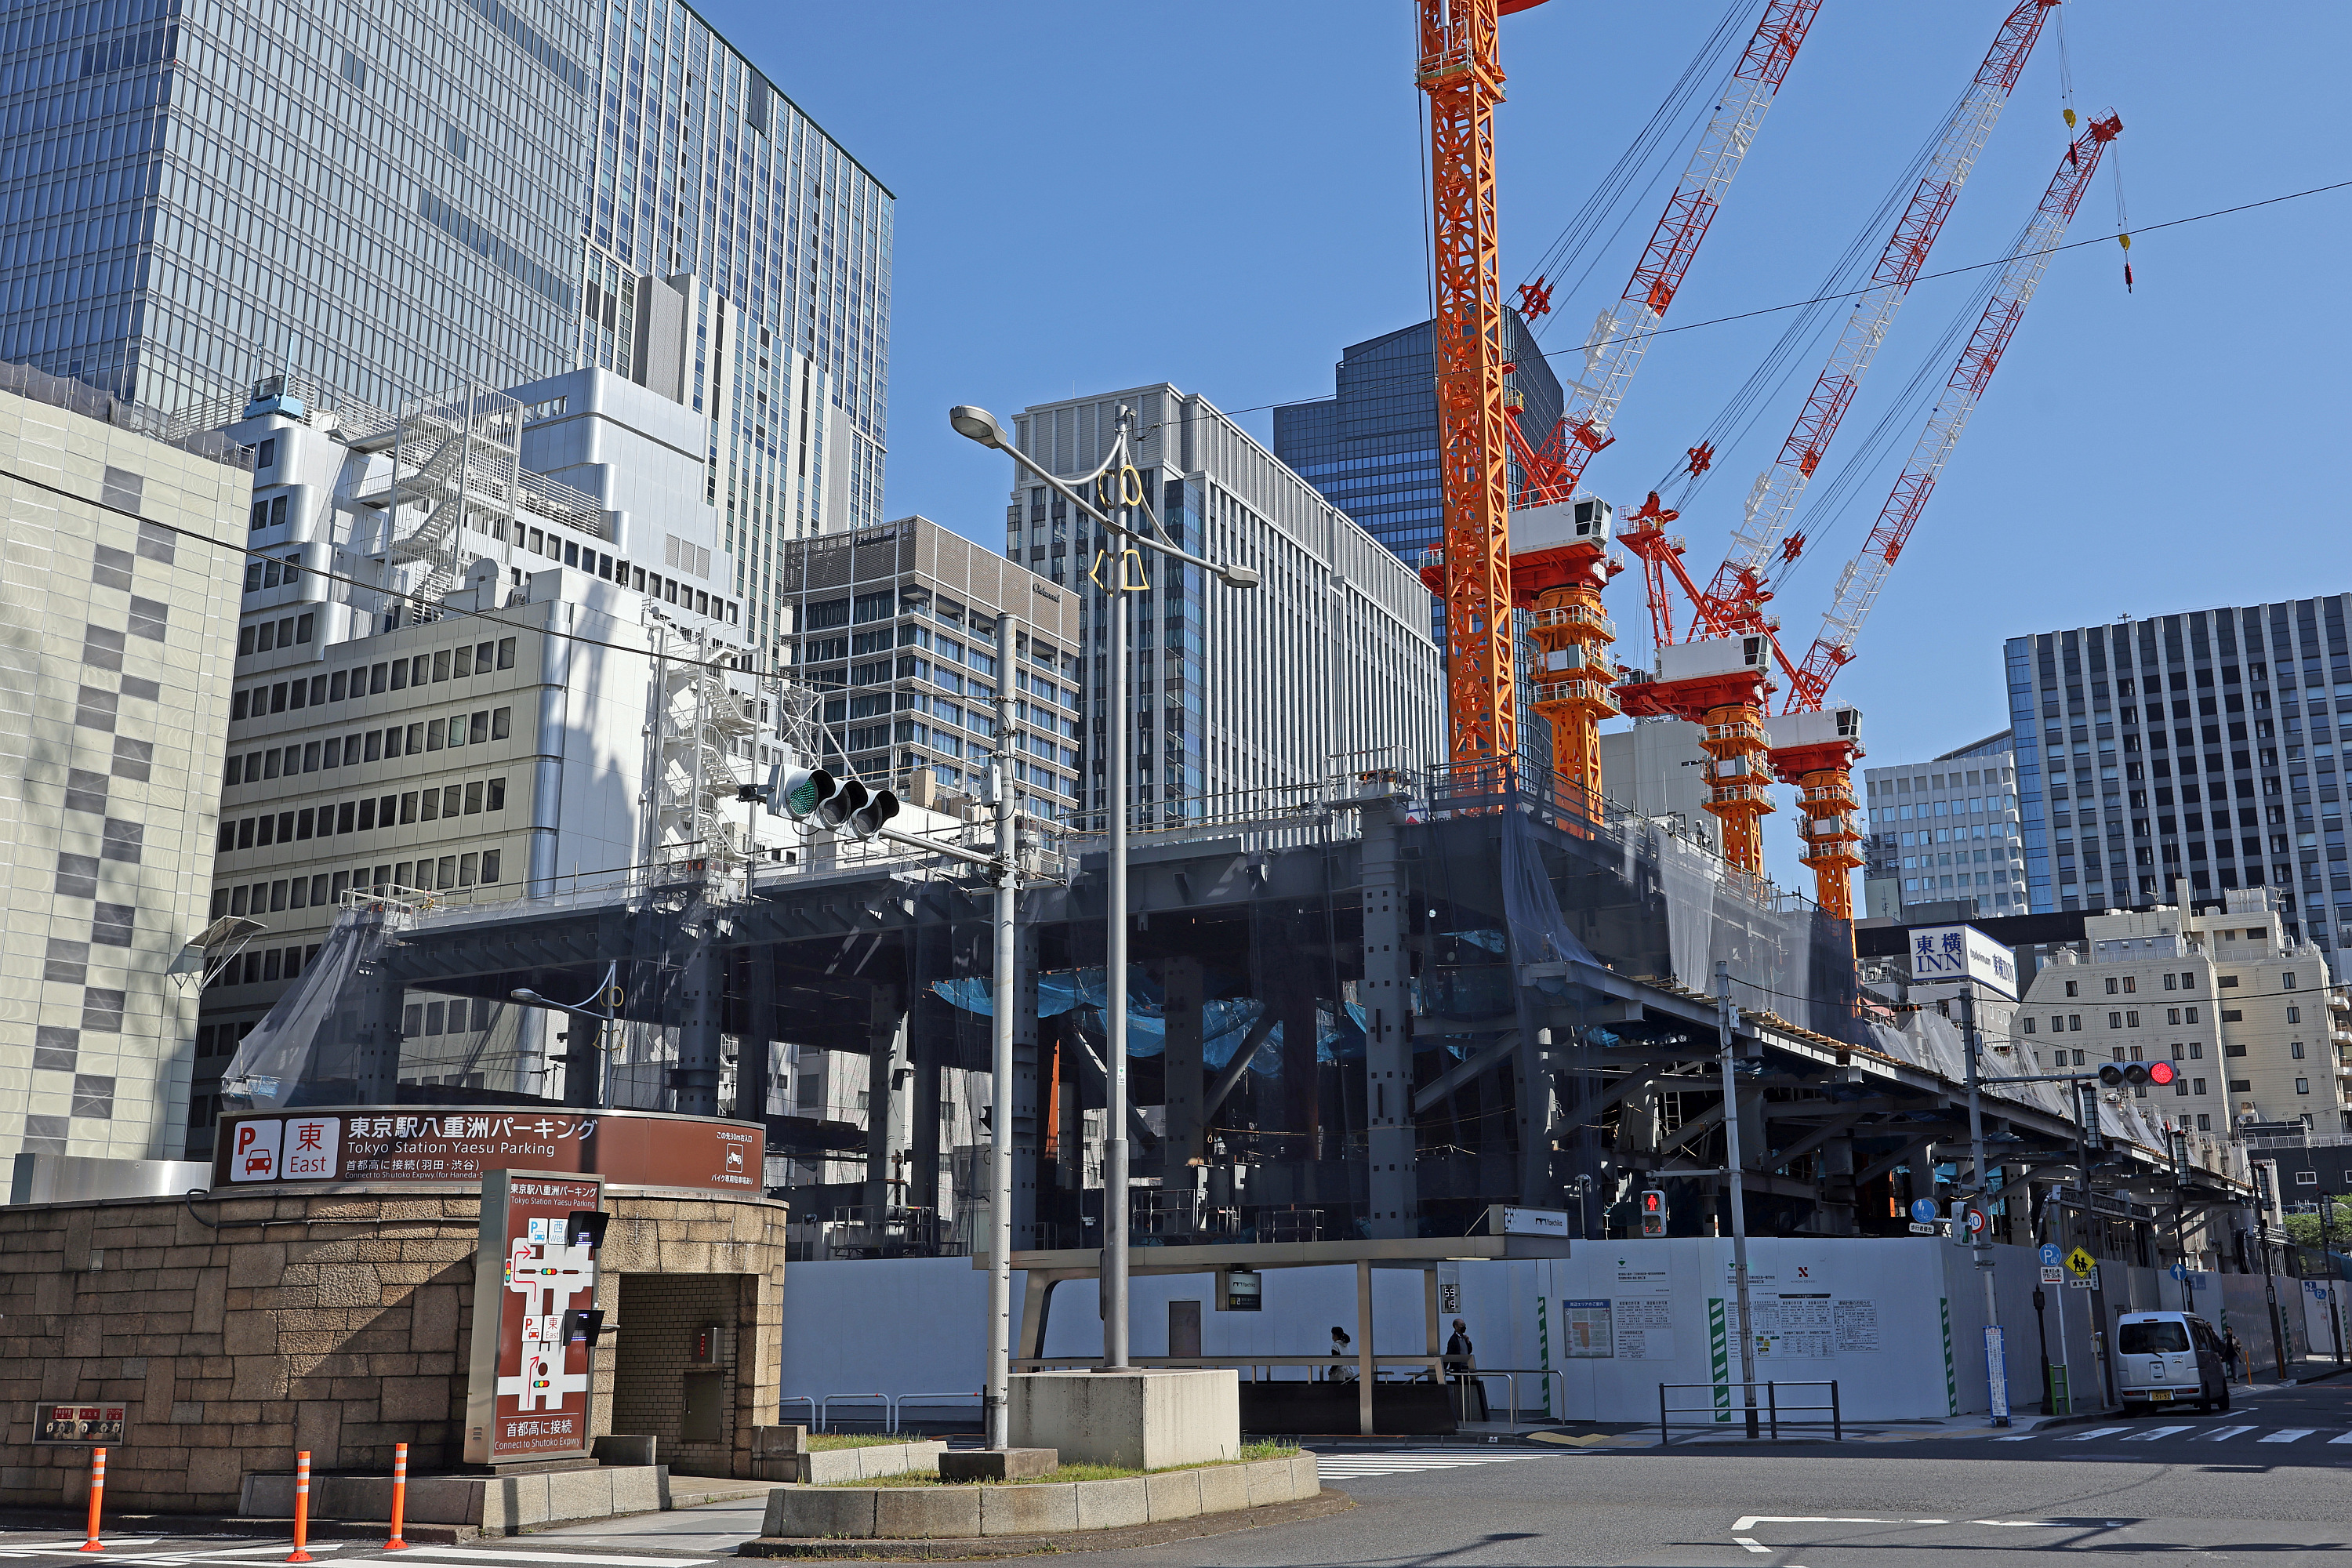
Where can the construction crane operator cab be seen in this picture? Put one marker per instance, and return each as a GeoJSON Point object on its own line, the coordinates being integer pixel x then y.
{"type": "Point", "coordinates": [1587, 520]}
{"type": "Point", "coordinates": [1829, 726]}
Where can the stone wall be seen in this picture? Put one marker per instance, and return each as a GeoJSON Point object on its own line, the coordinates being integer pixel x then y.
{"type": "Point", "coordinates": [335, 1322]}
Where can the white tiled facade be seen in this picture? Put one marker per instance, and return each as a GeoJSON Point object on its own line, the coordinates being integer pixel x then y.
{"type": "Point", "coordinates": [117, 601]}
{"type": "Point", "coordinates": [2243, 1011]}
{"type": "Point", "coordinates": [1238, 690]}
{"type": "Point", "coordinates": [1947, 829]}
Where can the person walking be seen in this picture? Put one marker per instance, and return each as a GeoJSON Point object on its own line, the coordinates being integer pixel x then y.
{"type": "Point", "coordinates": [2231, 1353]}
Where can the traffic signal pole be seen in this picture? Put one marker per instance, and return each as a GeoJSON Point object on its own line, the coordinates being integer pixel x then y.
{"type": "Point", "coordinates": [1995, 1343]}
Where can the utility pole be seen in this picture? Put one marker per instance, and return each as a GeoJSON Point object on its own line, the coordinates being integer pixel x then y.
{"type": "Point", "coordinates": [999, 1115]}
{"type": "Point", "coordinates": [2328, 1259]}
{"type": "Point", "coordinates": [1736, 1178]}
{"type": "Point", "coordinates": [1995, 1344]}
{"type": "Point", "coordinates": [2264, 1174]}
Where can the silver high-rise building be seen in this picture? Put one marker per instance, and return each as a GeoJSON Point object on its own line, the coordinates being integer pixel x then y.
{"type": "Point", "coordinates": [2197, 747]}
{"type": "Point", "coordinates": [396, 203]}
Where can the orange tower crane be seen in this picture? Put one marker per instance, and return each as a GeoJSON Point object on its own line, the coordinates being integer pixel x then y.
{"type": "Point", "coordinates": [1813, 748]}
{"type": "Point", "coordinates": [1560, 558]}
{"type": "Point", "coordinates": [1721, 677]}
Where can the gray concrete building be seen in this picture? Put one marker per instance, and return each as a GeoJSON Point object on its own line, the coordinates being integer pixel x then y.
{"type": "Point", "coordinates": [898, 638]}
{"type": "Point", "coordinates": [2198, 746]}
{"type": "Point", "coordinates": [1326, 666]}
{"type": "Point", "coordinates": [118, 608]}
{"type": "Point", "coordinates": [1945, 834]}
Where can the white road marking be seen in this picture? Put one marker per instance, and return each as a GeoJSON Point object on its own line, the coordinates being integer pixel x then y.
{"type": "Point", "coordinates": [2218, 1433]}
{"type": "Point", "coordinates": [1353, 1467]}
{"type": "Point", "coordinates": [2094, 1432]}
{"type": "Point", "coordinates": [2347, 1437]}
{"type": "Point", "coordinates": [1750, 1520]}
{"type": "Point", "coordinates": [2026, 1523]}
{"type": "Point", "coordinates": [2290, 1435]}
{"type": "Point", "coordinates": [1752, 1546]}
{"type": "Point", "coordinates": [2153, 1433]}
{"type": "Point", "coordinates": [233, 1552]}
{"type": "Point", "coordinates": [498, 1553]}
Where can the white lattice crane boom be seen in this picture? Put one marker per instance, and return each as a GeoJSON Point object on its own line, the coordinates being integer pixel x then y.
{"type": "Point", "coordinates": [1858, 587]}
{"type": "Point", "coordinates": [1733, 598]}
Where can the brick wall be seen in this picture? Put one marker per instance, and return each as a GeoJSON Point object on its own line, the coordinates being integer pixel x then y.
{"type": "Point", "coordinates": [339, 1325]}
{"type": "Point", "coordinates": [660, 1315]}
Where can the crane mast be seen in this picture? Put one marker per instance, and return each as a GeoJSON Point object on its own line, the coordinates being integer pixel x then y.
{"type": "Point", "coordinates": [1815, 750]}
{"type": "Point", "coordinates": [1459, 72]}
{"type": "Point", "coordinates": [1721, 677]}
{"type": "Point", "coordinates": [1560, 545]}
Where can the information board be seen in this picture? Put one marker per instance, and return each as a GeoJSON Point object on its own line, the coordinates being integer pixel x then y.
{"type": "Point", "coordinates": [528, 1394]}
{"type": "Point", "coordinates": [79, 1426]}
{"type": "Point", "coordinates": [379, 1145]}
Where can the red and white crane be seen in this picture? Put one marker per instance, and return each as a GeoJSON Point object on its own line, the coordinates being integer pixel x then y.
{"type": "Point", "coordinates": [1721, 677]}
{"type": "Point", "coordinates": [1817, 757]}
{"type": "Point", "coordinates": [1560, 547]}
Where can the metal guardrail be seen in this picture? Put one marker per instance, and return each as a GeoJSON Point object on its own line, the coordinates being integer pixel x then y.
{"type": "Point", "coordinates": [1721, 1410]}
{"type": "Point", "coordinates": [889, 1409]}
{"type": "Point", "coordinates": [807, 1399]}
{"type": "Point", "coordinates": [1511, 1375]}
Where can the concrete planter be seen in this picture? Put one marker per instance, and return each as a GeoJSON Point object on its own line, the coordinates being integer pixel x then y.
{"type": "Point", "coordinates": [826, 1467]}
{"type": "Point", "coordinates": [916, 1513]}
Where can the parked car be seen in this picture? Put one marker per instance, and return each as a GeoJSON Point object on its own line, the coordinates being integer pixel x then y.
{"type": "Point", "coordinates": [2169, 1358]}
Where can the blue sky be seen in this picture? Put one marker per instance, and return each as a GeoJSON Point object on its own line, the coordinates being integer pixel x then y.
{"type": "Point", "coordinates": [1223, 196]}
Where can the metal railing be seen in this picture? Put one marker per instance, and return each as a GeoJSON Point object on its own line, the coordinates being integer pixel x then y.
{"type": "Point", "coordinates": [890, 1408]}
{"type": "Point", "coordinates": [1725, 1407]}
{"type": "Point", "coordinates": [792, 1399]}
{"type": "Point", "coordinates": [1510, 1377]}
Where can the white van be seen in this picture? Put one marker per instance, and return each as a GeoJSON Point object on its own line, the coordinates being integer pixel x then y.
{"type": "Point", "coordinates": [2169, 1358]}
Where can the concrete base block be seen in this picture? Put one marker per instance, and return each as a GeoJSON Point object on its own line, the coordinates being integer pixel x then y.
{"type": "Point", "coordinates": [1142, 1419]}
{"type": "Point", "coordinates": [1028, 1510]}
{"type": "Point", "coordinates": [1269, 1482]}
{"type": "Point", "coordinates": [801, 1513]}
{"type": "Point", "coordinates": [1225, 1488]}
{"type": "Point", "coordinates": [1107, 1505]}
{"type": "Point", "coordinates": [622, 1449]}
{"type": "Point", "coordinates": [918, 1513]}
{"type": "Point", "coordinates": [827, 1466]}
{"type": "Point", "coordinates": [1173, 1494]}
{"type": "Point", "coordinates": [998, 1464]}
{"type": "Point", "coordinates": [1305, 1480]}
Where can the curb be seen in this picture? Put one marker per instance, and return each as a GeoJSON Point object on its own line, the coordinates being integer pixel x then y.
{"type": "Point", "coordinates": [954, 1549]}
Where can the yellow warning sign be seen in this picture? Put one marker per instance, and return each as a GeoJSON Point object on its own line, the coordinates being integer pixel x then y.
{"type": "Point", "coordinates": [2081, 1262]}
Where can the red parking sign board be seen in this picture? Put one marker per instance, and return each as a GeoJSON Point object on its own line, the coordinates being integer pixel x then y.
{"type": "Point", "coordinates": [79, 1426]}
{"type": "Point", "coordinates": [527, 1394]}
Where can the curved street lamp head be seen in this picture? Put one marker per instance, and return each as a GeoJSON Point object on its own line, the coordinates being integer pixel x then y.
{"type": "Point", "coordinates": [978, 425]}
{"type": "Point", "coordinates": [527, 998]}
{"type": "Point", "coordinates": [1239, 576]}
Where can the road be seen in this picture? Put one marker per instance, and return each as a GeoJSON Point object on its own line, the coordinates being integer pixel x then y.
{"type": "Point", "coordinates": [2267, 1483]}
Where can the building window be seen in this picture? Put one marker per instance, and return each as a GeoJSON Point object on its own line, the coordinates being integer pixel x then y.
{"type": "Point", "coordinates": [2131, 1020]}
{"type": "Point", "coordinates": [2111, 985]}
{"type": "Point", "coordinates": [2287, 980]}
{"type": "Point", "coordinates": [2028, 1024]}
{"type": "Point", "coordinates": [2114, 1020]}
{"type": "Point", "coordinates": [2295, 1014]}
{"type": "Point", "coordinates": [2294, 1049]}
{"type": "Point", "coordinates": [2073, 988]}
{"type": "Point", "coordinates": [2303, 1086]}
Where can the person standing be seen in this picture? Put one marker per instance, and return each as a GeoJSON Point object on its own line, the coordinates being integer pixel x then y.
{"type": "Point", "coordinates": [1460, 1363]}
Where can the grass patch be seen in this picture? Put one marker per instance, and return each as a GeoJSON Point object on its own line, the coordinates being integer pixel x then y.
{"type": "Point", "coordinates": [1250, 1454]}
{"type": "Point", "coordinates": [819, 1442]}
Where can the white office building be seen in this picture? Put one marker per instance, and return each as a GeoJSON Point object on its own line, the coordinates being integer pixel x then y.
{"type": "Point", "coordinates": [1236, 692]}
{"type": "Point", "coordinates": [1946, 831]}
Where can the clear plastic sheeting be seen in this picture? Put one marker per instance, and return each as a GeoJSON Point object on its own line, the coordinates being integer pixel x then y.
{"type": "Point", "coordinates": [313, 1047]}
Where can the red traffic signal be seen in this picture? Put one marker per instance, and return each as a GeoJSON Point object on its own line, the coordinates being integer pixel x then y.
{"type": "Point", "coordinates": [1653, 1212]}
{"type": "Point", "coordinates": [2136, 1074]}
{"type": "Point", "coordinates": [2160, 1072]}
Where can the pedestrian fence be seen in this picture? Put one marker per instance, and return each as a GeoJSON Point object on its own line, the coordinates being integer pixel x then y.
{"type": "Point", "coordinates": [1727, 1403]}
{"type": "Point", "coordinates": [821, 1409]}
{"type": "Point", "coordinates": [1510, 1377]}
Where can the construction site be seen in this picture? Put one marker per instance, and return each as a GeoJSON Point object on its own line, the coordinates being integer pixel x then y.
{"type": "Point", "coordinates": [1380, 1002]}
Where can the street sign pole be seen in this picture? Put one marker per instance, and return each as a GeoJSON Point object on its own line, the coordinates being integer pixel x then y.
{"type": "Point", "coordinates": [1996, 1358]}
{"type": "Point", "coordinates": [1736, 1174]}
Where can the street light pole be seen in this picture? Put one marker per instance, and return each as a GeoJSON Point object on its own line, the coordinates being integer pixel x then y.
{"type": "Point", "coordinates": [999, 1097]}
{"type": "Point", "coordinates": [979, 425]}
{"type": "Point", "coordinates": [1113, 1273]}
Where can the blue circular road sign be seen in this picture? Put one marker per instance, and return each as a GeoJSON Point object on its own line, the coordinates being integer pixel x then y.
{"type": "Point", "coordinates": [2050, 1255]}
{"type": "Point", "coordinates": [1923, 1209]}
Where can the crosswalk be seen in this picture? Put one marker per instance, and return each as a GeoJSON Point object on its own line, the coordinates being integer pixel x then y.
{"type": "Point", "coordinates": [1350, 1467]}
{"type": "Point", "coordinates": [2191, 1432]}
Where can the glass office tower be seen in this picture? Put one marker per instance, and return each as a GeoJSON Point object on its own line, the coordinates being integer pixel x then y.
{"type": "Point", "coordinates": [1371, 450]}
{"type": "Point", "coordinates": [2197, 749]}
{"type": "Point", "coordinates": [393, 201]}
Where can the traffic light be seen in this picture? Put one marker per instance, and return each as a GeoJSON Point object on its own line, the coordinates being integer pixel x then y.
{"type": "Point", "coordinates": [805, 795]}
{"type": "Point", "coordinates": [1653, 1212]}
{"type": "Point", "coordinates": [797, 792]}
{"type": "Point", "coordinates": [2137, 1074]}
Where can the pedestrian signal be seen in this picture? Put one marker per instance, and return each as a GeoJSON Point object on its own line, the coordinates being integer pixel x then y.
{"type": "Point", "coordinates": [1653, 1212]}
